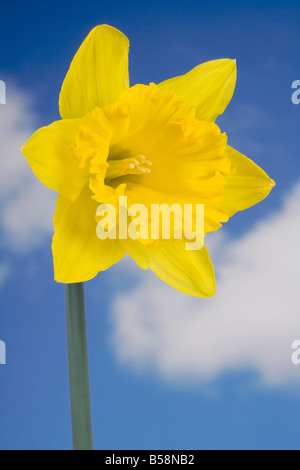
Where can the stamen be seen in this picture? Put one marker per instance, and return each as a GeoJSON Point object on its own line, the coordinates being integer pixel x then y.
{"type": "Point", "coordinates": [138, 165]}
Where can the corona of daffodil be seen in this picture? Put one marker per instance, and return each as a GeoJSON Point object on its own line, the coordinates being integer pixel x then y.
{"type": "Point", "coordinates": [154, 144]}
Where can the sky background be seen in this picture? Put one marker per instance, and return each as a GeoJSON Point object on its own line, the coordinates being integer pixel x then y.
{"type": "Point", "coordinates": [167, 371]}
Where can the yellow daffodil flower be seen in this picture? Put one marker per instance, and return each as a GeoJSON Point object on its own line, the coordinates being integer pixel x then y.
{"type": "Point", "coordinates": [154, 144]}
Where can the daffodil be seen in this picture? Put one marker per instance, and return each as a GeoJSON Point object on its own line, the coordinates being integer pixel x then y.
{"type": "Point", "coordinates": [154, 144]}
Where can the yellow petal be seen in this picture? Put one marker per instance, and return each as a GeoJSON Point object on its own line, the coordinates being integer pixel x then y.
{"type": "Point", "coordinates": [248, 185]}
{"type": "Point", "coordinates": [50, 156]}
{"type": "Point", "coordinates": [209, 87]}
{"type": "Point", "coordinates": [78, 253]}
{"type": "Point", "coordinates": [98, 72]}
{"type": "Point", "coordinates": [190, 272]}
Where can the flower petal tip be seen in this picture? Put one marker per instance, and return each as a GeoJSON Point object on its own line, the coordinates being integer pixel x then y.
{"type": "Point", "coordinates": [209, 294]}
{"type": "Point", "coordinates": [101, 27]}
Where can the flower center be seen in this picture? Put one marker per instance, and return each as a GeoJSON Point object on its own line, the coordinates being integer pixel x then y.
{"type": "Point", "coordinates": [138, 165]}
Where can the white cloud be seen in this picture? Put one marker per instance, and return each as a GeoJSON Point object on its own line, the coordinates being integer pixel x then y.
{"type": "Point", "coordinates": [249, 325]}
{"type": "Point", "coordinates": [27, 207]}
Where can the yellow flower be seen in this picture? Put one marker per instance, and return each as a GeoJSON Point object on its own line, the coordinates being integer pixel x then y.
{"type": "Point", "coordinates": [153, 144]}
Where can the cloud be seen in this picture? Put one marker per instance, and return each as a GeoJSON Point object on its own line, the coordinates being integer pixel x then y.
{"type": "Point", "coordinates": [27, 207]}
{"type": "Point", "coordinates": [250, 324]}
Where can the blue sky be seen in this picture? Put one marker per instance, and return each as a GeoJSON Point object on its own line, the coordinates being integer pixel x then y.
{"type": "Point", "coordinates": [167, 372]}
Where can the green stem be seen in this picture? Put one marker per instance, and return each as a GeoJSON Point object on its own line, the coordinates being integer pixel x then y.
{"type": "Point", "coordinates": [78, 368]}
